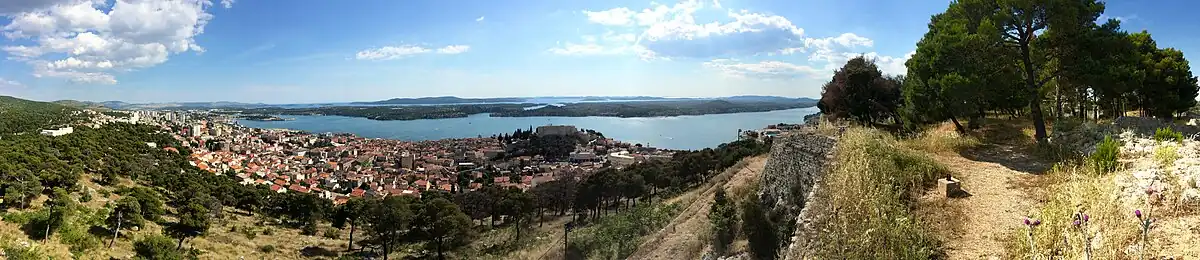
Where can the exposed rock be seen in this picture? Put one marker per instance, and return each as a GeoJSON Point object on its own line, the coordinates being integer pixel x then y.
{"type": "Point", "coordinates": [797, 160]}
{"type": "Point", "coordinates": [793, 171]}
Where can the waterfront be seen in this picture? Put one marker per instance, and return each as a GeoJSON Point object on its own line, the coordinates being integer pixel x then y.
{"type": "Point", "coordinates": [678, 132]}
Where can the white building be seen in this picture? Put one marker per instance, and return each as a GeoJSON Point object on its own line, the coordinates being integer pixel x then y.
{"type": "Point", "coordinates": [58, 132]}
{"type": "Point", "coordinates": [621, 159]}
{"type": "Point", "coordinates": [195, 131]}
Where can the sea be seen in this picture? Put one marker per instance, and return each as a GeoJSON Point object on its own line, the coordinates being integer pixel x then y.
{"type": "Point", "coordinates": [674, 132]}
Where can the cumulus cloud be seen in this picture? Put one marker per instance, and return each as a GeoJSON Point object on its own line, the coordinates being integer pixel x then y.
{"type": "Point", "coordinates": [674, 31]}
{"type": "Point", "coordinates": [407, 50]}
{"type": "Point", "coordinates": [832, 48]}
{"type": "Point", "coordinates": [227, 3]}
{"type": "Point", "coordinates": [764, 69]}
{"type": "Point", "coordinates": [19, 6]}
{"type": "Point", "coordinates": [480, 19]}
{"type": "Point", "coordinates": [87, 40]}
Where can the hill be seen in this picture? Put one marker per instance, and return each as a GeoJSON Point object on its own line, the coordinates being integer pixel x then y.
{"type": "Point", "coordinates": [19, 115]}
{"type": "Point", "coordinates": [440, 100]}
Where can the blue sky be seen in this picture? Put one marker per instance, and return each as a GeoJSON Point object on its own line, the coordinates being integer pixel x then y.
{"type": "Point", "coordinates": [306, 51]}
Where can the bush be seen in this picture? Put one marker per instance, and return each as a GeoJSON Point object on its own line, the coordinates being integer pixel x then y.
{"type": "Point", "coordinates": [309, 229]}
{"type": "Point", "coordinates": [250, 233]}
{"type": "Point", "coordinates": [77, 238]}
{"type": "Point", "coordinates": [1167, 134]}
{"type": "Point", "coordinates": [158, 247]}
{"type": "Point", "coordinates": [723, 218]}
{"type": "Point", "coordinates": [332, 233]}
{"type": "Point", "coordinates": [1104, 159]}
{"type": "Point", "coordinates": [86, 197]}
{"type": "Point", "coordinates": [759, 230]}
{"type": "Point", "coordinates": [23, 252]}
{"type": "Point", "coordinates": [1166, 155]}
{"type": "Point", "coordinates": [268, 232]}
{"type": "Point", "coordinates": [266, 248]}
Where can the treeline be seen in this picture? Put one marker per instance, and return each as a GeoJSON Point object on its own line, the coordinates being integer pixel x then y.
{"type": "Point", "coordinates": [1018, 58]}
{"type": "Point", "coordinates": [393, 112]}
{"type": "Point", "coordinates": [25, 116]}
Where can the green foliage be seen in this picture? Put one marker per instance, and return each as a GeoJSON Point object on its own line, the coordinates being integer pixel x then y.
{"type": "Point", "coordinates": [150, 204]}
{"type": "Point", "coordinates": [86, 197]}
{"type": "Point", "coordinates": [158, 247]}
{"type": "Point", "coordinates": [127, 212]}
{"type": "Point", "coordinates": [859, 91]}
{"type": "Point", "coordinates": [1167, 134]}
{"type": "Point", "coordinates": [19, 187]}
{"type": "Point", "coordinates": [77, 238]}
{"type": "Point", "coordinates": [760, 230]}
{"type": "Point", "coordinates": [193, 221]}
{"type": "Point", "coordinates": [1104, 159]}
{"type": "Point", "coordinates": [1166, 155]}
{"type": "Point", "coordinates": [266, 249]}
{"type": "Point", "coordinates": [723, 217]}
{"type": "Point", "coordinates": [618, 236]}
{"type": "Point", "coordinates": [332, 233]}
{"type": "Point", "coordinates": [19, 115]}
{"type": "Point", "coordinates": [22, 252]}
{"type": "Point", "coordinates": [442, 226]}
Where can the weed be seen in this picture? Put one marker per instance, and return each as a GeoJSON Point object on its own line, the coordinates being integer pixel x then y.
{"type": "Point", "coordinates": [1166, 155]}
{"type": "Point", "coordinates": [332, 233]}
{"type": "Point", "coordinates": [1073, 190]}
{"type": "Point", "coordinates": [267, 248]}
{"type": "Point", "coordinates": [1104, 159]}
{"type": "Point", "coordinates": [23, 251]}
{"type": "Point", "coordinates": [1167, 134]}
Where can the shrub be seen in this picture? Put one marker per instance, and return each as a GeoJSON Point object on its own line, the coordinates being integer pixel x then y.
{"type": "Point", "coordinates": [1104, 159]}
{"type": "Point", "coordinates": [759, 230]}
{"type": "Point", "coordinates": [1167, 134]}
{"type": "Point", "coordinates": [309, 229]}
{"type": "Point", "coordinates": [86, 197]}
{"type": "Point", "coordinates": [332, 233]}
{"type": "Point", "coordinates": [23, 252]}
{"type": "Point", "coordinates": [250, 233]}
{"type": "Point", "coordinates": [723, 218]}
{"type": "Point", "coordinates": [1166, 155]}
{"type": "Point", "coordinates": [158, 247]}
{"type": "Point", "coordinates": [268, 232]}
{"type": "Point", "coordinates": [266, 248]}
{"type": "Point", "coordinates": [77, 238]}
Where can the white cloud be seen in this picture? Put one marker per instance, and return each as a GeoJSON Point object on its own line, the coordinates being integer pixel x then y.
{"type": "Point", "coordinates": [227, 3]}
{"type": "Point", "coordinates": [82, 42]}
{"type": "Point", "coordinates": [453, 49]}
{"type": "Point", "coordinates": [765, 69]}
{"type": "Point", "coordinates": [18, 6]}
{"type": "Point", "coordinates": [674, 31]}
{"type": "Point", "coordinates": [616, 16]}
{"type": "Point", "coordinates": [4, 83]}
{"type": "Point", "coordinates": [831, 48]}
{"type": "Point", "coordinates": [480, 19]}
{"type": "Point", "coordinates": [390, 52]}
{"type": "Point", "coordinates": [404, 51]}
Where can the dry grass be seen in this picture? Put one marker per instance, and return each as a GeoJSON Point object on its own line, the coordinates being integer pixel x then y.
{"type": "Point", "coordinates": [868, 199]}
{"type": "Point", "coordinates": [942, 139]}
{"type": "Point", "coordinates": [1073, 189]}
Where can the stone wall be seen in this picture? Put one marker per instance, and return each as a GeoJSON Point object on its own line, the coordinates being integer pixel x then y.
{"type": "Point", "coordinates": [796, 162]}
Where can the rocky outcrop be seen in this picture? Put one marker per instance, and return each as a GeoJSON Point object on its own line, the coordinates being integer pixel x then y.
{"type": "Point", "coordinates": [796, 163]}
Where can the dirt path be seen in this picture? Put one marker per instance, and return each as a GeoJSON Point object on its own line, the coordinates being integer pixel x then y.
{"type": "Point", "coordinates": [999, 198]}
{"type": "Point", "coordinates": [681, 239]}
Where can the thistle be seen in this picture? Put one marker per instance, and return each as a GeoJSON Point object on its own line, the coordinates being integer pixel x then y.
{"type": "Point", "coordinates": [1081, 223]}
{"type": "Point", "coordinates": [1031, 224]}
{"type": "Point", "coordinates": [1144, 222]}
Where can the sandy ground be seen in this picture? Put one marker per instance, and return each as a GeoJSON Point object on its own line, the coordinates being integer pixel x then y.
{"type": "Point", "coordinates": [684, 237]}
{"type": "Point", "coordinates": [999, 198]}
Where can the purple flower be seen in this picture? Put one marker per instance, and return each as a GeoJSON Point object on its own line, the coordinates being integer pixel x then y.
{"type": "Point", "coordinates": [1076, 223]}
{"type": "Point", "coordinates": [1138, 213]}
{"type": "Point", "coordinates": [1085, 218]}
{"type": "Point", "coordinates": [1037, 222]}
{"type": "Point", "coordinates": [1149, 190]}
{"type": "Point", "coordinates": [1027, 222]}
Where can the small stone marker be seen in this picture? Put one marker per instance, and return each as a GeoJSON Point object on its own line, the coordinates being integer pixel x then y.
{"type": "Point", "coordinates": [949, 186]}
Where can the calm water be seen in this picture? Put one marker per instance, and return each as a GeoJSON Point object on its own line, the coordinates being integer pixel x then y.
{"type": "Point", "coordinates": [680, 132]}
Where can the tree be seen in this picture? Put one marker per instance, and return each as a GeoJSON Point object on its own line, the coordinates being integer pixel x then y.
{"type": "Point", "coordinates": [389, 221]}
{"type": "Point", "coordinates": [353, 212]}
{"type": "Point", "coordinates": [759, 230]}
{"type": "Point", "coordinates": [150, 202]}
{"type": "Point", "coordinates": [127, 213]}
{"type": "Point", "coordinates": [61, 206]}
{"type": "Point", "coordinates": [158, 247]}
{"type": "Point", "coordinates": [517, 205]}
{"type": "Point", "coordinates": [953, 74]}
{"type": "Point", "coordinates": [723, 218]}
{"type": "Point", "coordinates": [1167, 86]}
{"type": "Point", "coordinates": [443, 226]}
{"type": "Point", "coordinates": [193, 221]}
{"type": "Point", "coordinates": [860, 92]}
{"type": "Point", "coordinates": [20, 187]}
{"type": "Point", "coordinates": [1022, 25]}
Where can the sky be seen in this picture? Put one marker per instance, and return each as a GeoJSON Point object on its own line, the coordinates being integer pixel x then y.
{"type": "Point", "coordinates": [312, 51]}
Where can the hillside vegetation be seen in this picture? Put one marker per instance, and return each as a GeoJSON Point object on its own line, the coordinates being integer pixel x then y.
{"type": "Point", "coordinates": [19, 115]}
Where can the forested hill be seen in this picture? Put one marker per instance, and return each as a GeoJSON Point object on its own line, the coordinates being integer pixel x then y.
{"type": "Point", "coordinates": [19, 115]}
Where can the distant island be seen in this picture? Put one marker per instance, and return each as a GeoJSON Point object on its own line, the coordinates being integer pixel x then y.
{"type": "Point", "coordinates": [261, 117]}
{"type": "Point", "coordinates": [440, 100]}
{"type": "Point", "coordinates": [582, 109]}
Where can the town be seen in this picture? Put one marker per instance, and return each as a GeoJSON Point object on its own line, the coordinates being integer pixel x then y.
{"type": "Point", "coordinates": [338, 166]}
